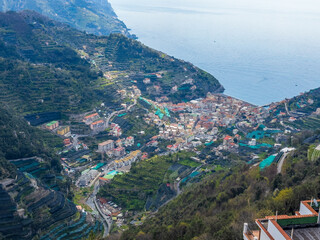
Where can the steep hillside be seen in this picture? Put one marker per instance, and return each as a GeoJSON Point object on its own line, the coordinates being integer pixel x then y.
{"type": "Point", "coordinates": [33, 193]}
{"type": "Point", "coordinates": [150, 183]}
{"type": "Point", "coordinates": [48, 66]}
{"type": "Point", "coordinates": [92, 16]}
{"type": "Point", "coordinates": [18, 140]}
{"type": "Point", "coordinates": [217, 207]}
{"type": "Point", "coordinates": [300, 112]}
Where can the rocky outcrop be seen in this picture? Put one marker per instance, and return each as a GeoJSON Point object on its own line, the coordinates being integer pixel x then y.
{"type": "Point", "coordinates": [93, 16]}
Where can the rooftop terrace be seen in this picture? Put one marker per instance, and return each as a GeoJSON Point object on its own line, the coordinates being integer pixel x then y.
{"type": "Point", "coordinates": [308, 233]}
{"type": "Point", "coordinates": [304, 225]}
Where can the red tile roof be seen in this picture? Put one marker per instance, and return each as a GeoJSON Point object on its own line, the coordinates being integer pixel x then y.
{"type": "Point", "coordinates": [90, 116]}
{"type": "Point", "coordinates": [228, 138]}
{"type": "Point", "coordinates": [97, 122]}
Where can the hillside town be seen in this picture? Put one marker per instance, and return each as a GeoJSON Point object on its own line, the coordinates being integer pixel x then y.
{"type": "Point", "coordinates": [218, 124]}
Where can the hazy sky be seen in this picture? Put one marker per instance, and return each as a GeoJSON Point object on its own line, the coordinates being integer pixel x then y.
{"type": "Point", "coordinates": [284, 6]}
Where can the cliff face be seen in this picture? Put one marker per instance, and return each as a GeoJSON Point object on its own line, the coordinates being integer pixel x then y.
{"type": "Point", "coordinates": [92, 16]}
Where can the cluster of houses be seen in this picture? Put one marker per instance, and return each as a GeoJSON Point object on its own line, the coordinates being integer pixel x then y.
{"type": "Point", "coordinates": [115, 148]}
{"type": "Point", "coordinates": [171, 130]}
{"type": "Point", "coordinates": [95, 122]}
{"type": "Point", "coordinates": [111, 209]}
{"type": "Point", "coordinates": [115, 130]}
{"type": "Point", "coordinates": [125, 142]}
{"type": "Point", "coordinates": [280, 113]}
{"type": "Point", "coordinates": [199, 120]}
{"type": "Point", "coordinates": [153, 142]}
{"type": "Point", "coordinates": [128, 160]}
{"type": "Point", "coordinates": [109, 148]}
{"type": "Point", "coordinates": [216, 111]}
{"type": "Point", "coordinates": [60, 130]}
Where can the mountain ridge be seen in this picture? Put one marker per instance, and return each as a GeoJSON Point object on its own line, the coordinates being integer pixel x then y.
{"type": "Point", "coordinates": [61, 68]}
{"type": "Point", "coordinates": [92, 16]}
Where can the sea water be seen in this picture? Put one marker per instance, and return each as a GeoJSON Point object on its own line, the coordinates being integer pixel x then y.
{"type": "Point", "coordinates": [260, 50]}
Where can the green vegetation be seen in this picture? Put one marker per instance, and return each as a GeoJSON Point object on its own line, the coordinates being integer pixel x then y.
{"type": "Point", "coordinates": [189, 163]}
{"type": "Point", "coordinates": [263, 155]}
{"type": "Point", "coordinates": [305, 104]}
{"type": "Point", "coordinates": [132, 123]}
{"type": "Point", "coordinates": [219, 168]}
{"type": "Point", "coordinates": [43, 88]}
{"type": "Point", "coordinates": [49, 66]}
{"type": "Point", "coordinates": [267, 140]}
{"type": "Point", "coordinates": [95, 17]}
{"type": "Point", "coordinates": [19, 140]}
{"type": "Point", "coordinates": [131, 190]}
{"type": "Point", "coordinates": [217, 207]}
{"type": "Point", "coordinates": [80, 197]}
{"type": "Point", "coordinates": [313, 153]}
{"type": "Point", "coordinates": [311, 122]}
{"type": "Point", "coordinates": [34, 190]}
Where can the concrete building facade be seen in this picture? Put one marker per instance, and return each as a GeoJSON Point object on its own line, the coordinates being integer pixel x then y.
{"type": "Point", "coordinates": [304, 225]}
{"type": "Point", "coordinates": [106, 146]}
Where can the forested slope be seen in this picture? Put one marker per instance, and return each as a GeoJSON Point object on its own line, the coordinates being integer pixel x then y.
{"type": "Point", "coordinates": [217, 207]}
{"type": "Point", "coordinates": [48, 66]}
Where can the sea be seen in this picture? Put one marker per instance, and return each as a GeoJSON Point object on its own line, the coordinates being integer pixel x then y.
{"type": "Point", "coordinates": [261, 51]}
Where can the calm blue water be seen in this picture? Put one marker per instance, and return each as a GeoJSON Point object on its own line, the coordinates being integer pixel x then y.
{"type": "Point", "coordinates": [260, 50]}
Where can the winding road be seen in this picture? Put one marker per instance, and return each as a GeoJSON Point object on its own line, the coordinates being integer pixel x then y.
{"type": "Point", "coordinates": [119, 112]}
{"type": "Point", "coordinates": [92, 203]}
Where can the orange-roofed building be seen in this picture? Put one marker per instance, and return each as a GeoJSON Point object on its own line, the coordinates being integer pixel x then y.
{"type": "Point", "coordinates": [91, 118]}
{"type": "Point", "coordinates": [103, 181]}
{"type": "Point", "coordinates": [103, 200]}
{"type": "Point", "coordinates": [115, 214]}
{"type": "Point", "coordinates": [66, 141]}
{"type": "Point", "coordinates": [97, 125]}
{"type": "Point", "coordinates": [79, 207]}
{"type": "Point", "coordinates": [227, 140]}
{"type": "Point", "coordinates": [106, 146]}
{"type": "Point", "coordinates": [304, 225]}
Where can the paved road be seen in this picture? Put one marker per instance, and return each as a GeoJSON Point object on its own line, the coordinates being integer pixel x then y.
{"type": "Point", "coordinates": [287, 110]}
{"type": "Point", "coordinates": [178, 189]}
{"type": "Point", "coordinates": [119, 112]}
{"type": "Point", "coordinates": [280, 163]}
{"type": "Point", "coordinates": [287, 126]}
{"type": "Point", "coordinates": [92, 203]}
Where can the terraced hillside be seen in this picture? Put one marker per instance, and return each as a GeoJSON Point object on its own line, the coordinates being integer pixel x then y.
{"type": "Point", "coordinates": [152, 182]}
{"type": "Point", "coordinates": [219, 205]}
{"type": "Point", "coordinates": [92, 16]}
{"type": "Point", "coordinates": [33, 198]}
{"type": "Point", "coordinates": [76, 229]}
{"type": "Point", "coordinates": [301, 112]}
{"type": "Point", "coordinates": [29, 209]}
{"type": "Point", "coordinates": [48, 66]}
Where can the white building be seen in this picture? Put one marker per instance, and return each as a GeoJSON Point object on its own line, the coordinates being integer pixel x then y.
{"type": "Point", "coordinates": [106, 146]}
{"type": "Point", "coordinates": [303, 225]}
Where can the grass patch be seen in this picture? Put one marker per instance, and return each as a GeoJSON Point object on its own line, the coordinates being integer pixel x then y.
{"type": "Point", "coordinates": [81, 196]}
{"type": "Point", "coordinates": [189, 163]}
